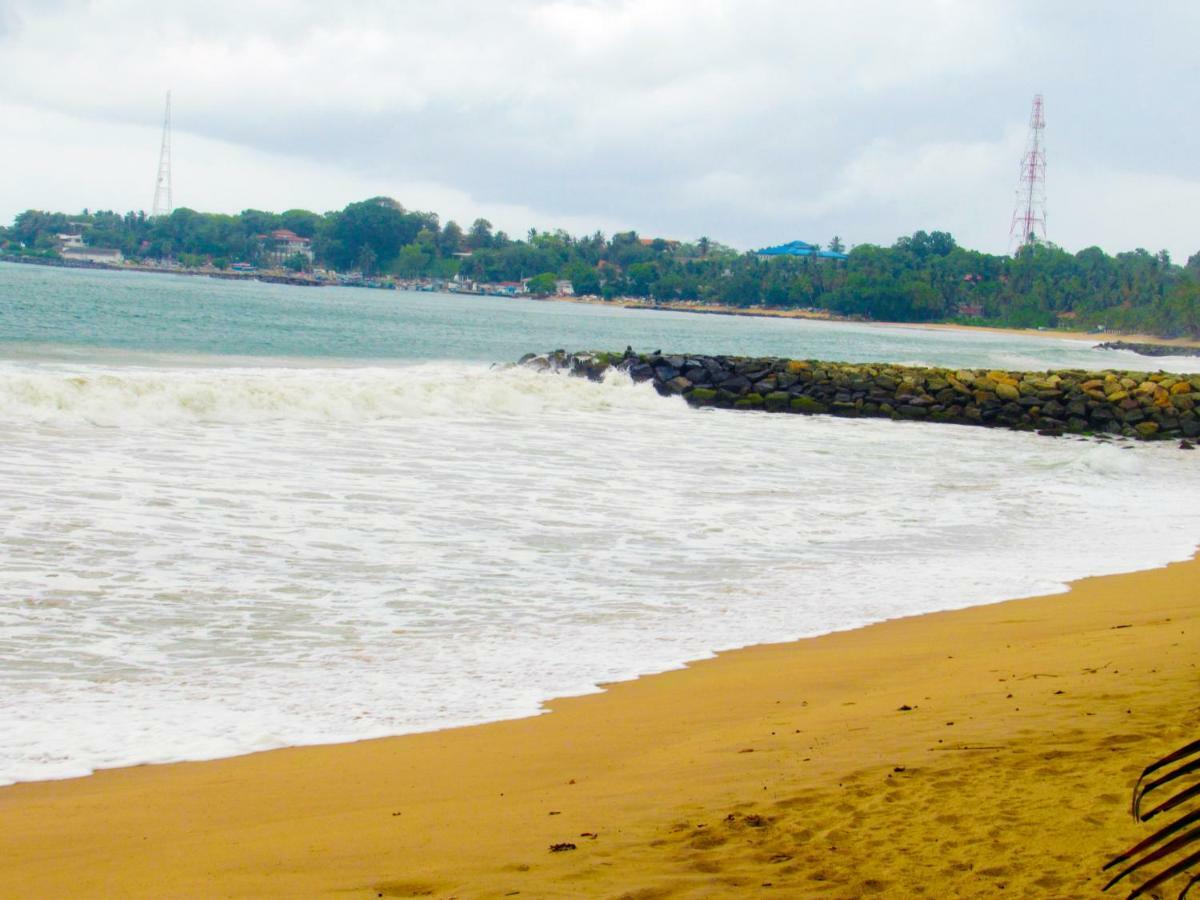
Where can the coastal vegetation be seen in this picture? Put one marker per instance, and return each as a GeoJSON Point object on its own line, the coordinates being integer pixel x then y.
{"type": "Point", "coordinates": [924, 277]}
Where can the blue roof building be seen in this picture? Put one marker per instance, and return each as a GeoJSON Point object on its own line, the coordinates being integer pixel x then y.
{"type": "Point", "coordinates": [800, 248]}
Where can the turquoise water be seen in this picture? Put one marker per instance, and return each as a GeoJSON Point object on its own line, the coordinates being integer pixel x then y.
{"type": "Point", "coordinates": [55, 312]}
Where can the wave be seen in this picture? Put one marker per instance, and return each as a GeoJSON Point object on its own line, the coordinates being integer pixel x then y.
{"type": "Point", "coordinates": [130, 397]}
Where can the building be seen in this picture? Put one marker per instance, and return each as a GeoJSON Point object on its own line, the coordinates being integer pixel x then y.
{"type": "Point", "coordinates": [282, 244]}
{"type": "Point", "coordinates": [102, 255]}
{"type": "Point", "coordinates": [801, 248]}
{"type": "Point", "coordinates": [564, 288]}
{"type": "Point", "coordinates": [506, 288]}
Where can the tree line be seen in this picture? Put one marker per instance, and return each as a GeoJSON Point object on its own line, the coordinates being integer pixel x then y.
{"type": "Point", "coordinates": [924, 277]}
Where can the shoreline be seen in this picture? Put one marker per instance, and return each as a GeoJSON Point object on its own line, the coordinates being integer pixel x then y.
{"type": "Point", "coordinates": [778, 313]}
{"type": "Point", "coordinates": [739, 770]}
{"type": "Point", "coordinates": [694, 308]}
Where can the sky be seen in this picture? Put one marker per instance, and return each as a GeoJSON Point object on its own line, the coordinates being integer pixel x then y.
{"type": "Point", "coordinates": [747, 121]}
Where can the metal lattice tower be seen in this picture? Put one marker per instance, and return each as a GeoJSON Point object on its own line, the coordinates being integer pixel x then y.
{"type": "Point", "coordinates": [1029, 214]}
{"type": "Point", "coordinates": [163, 201]}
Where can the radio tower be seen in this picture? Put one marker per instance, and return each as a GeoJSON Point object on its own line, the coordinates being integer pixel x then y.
{"type": "Point", "coordinates": [1029, 214]}
{"type": "Point", "coordinates": [163, 201]}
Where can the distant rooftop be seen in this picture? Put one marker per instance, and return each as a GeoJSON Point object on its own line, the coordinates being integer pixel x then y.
{"type": "Point", "coordinates": [800, 248]}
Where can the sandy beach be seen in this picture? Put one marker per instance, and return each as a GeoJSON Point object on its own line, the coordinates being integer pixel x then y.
{"type": "Point", "coordinates": [715, 309]}
{"type": "Point", "coordinates": [960, 754]}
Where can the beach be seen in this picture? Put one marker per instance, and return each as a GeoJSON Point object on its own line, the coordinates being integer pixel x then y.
{"type": "Point", "coordinates": [239, 563]}
{"type": "Point", "coordinates": [820, 315]}
{"type": "Point", "coordinates": [961, 753]}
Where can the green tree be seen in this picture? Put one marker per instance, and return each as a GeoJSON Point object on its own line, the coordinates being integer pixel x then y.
{"type": "Point", "coordinates": [297, 262]}
{"type": "Point", "coordinates": [480, 236]}
{"type": "Point", "coordinates": [542, 284]}
{"type": "Point", "coordinates": [412, 262]}
{"type": "Point", "coordinates": [451, 239]}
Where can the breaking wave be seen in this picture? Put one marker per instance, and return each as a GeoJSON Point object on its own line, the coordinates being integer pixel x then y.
{"type": "Point", "coordinates": [131, 397]}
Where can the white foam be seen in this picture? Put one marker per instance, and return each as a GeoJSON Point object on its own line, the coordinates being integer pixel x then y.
{"type": "Point", "coordinates": [201, 562]}
{"type": "Point", "coordinates": [140, 396]}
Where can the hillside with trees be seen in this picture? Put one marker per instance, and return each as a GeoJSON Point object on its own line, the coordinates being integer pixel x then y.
{"type": "Point", "coordinates": [925, 277]}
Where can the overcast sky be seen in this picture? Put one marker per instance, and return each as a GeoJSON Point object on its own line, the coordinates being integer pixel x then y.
{"type": "Point", "coordinates": [752, 122]}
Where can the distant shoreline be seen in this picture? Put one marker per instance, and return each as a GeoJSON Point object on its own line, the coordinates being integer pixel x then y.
{"type": "Point", "coordinates": [635, 303]}
{"type": "Point", "coordinates": [777, 313]}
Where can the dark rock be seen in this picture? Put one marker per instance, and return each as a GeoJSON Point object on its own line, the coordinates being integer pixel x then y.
{"type": "Point", "coordinates": [1141, 406]}
{"type": "Point", "coordinates": [738, 384]}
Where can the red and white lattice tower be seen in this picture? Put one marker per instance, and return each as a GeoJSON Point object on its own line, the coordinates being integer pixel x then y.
{"type": "Point", "coordinates": [1029, 213]}
{"type": "Point", "coordinates": [164, 202]}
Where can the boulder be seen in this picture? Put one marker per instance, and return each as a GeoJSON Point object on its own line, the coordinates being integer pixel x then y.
{"type": "Point", "coordinates": [1005, 390]}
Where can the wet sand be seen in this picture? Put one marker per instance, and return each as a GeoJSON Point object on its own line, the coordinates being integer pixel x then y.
{"type": "Point", "coordinates": [788, 770]}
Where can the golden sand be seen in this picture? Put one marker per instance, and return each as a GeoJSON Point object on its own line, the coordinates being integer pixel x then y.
{"type": "Point", "coordinates": [788, 770]}
{"type": "Point", "coordinates": [827, 316]}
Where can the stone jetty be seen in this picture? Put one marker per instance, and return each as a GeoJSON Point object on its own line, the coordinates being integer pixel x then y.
{"type": "Point", "coordinates": [1134, 404]}
{"type": "Point", "coordinates": [1151, 349]}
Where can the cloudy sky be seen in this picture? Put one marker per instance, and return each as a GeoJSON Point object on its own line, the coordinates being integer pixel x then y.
{"type": "Point", "coordinates": [752, 122]}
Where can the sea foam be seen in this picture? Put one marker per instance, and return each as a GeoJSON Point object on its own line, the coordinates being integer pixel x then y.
{"type": "Point", "coordinates": [204, 561]}
{"type": "Point", "coordinates": [138, 396]}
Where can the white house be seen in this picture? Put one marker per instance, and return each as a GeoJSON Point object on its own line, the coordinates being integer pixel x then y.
{"type": "Point", "coordinates": [105, 255]}
{"type": "Point", "coordinates": [285, 244]}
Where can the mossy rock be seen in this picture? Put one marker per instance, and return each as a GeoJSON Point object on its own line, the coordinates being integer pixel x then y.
{"type": "Point", "coordinates": [1006, 391]}
{"type": "Point", "coordinates": [777, 400]}
{"type": "Point", "coordinates": [750, 401]}
{"type": "Point", "coordinates": [808, 405]}
{"type": "Point", "coordinates": [698, 396]}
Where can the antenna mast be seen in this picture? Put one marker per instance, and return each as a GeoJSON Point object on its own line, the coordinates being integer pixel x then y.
{"type": "Point", "coordinates": [163, 200]}
{"type": "Point", "coordinates": [1029, 214]}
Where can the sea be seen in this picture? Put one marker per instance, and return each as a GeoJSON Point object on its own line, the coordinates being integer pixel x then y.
{"type": "Point", "coordinates": [237, 516]}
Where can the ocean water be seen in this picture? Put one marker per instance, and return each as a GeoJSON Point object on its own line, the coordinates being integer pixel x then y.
{"type": "Point", "coordinates": [240, 516]}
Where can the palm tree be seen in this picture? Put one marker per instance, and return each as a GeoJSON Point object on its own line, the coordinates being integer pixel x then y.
{"type": "Point", "coordinates": [1183, 831]}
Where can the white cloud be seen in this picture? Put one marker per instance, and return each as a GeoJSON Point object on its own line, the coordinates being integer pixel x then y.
{"type": "Point", "coordinates": [750, 121]}
{"type": "Point", "coordinates": [69, 165]}
{"type": "Point", "coordinates": [1122, 210]}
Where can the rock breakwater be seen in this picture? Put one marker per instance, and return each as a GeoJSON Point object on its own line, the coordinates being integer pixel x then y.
{"type": "Point", "coordinates": [1134, 404]}
{"type": "Point", "coordinates": [1151, 349]}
